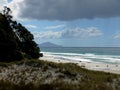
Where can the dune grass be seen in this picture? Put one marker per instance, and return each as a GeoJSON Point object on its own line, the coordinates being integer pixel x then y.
{"type": "Point", "coordinates": [52, 76]}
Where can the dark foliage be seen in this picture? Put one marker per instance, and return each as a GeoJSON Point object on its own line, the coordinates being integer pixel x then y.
{"type": "Point", "coordinates": [8, 42]}
{"type": "Point", "coordinates": [16, 42]}
{"type": "Point", "coordinates": [27, 45]}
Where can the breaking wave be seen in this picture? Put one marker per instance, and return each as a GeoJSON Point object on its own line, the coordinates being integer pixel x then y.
{"type": "Point", "coordinates": [90, 57]}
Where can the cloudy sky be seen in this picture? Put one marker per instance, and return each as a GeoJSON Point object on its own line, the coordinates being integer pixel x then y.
{"type": "Point", "coordinates": [75, 23]}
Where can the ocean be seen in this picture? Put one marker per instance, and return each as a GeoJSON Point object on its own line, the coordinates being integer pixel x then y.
{"type": "Point", "coordinates": [91, 54]}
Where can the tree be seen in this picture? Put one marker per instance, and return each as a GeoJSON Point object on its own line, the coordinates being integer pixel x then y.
{"type": "Point", "coordinates": [8, 42]}
{"type": "Point", "coordinates": [7, 13]}
{"type": "Point", "coordinates": [15, 39]}
{"type": "Point", "coordinates": [27, 43]}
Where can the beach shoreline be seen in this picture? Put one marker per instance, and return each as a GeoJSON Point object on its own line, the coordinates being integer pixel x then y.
{"type": "Point", "coordinates": [96, 66]}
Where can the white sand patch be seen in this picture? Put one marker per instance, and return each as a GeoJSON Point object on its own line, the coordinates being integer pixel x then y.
{"type": "Point", "coordinates": [112, 68]}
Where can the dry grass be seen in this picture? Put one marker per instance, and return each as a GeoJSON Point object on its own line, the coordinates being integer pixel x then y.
{"type": "Point", "coordinates": [42, 75]}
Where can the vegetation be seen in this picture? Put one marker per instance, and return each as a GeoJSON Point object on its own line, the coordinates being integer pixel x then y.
{"type": "Point", "coordinates": [16, 42]}
{"type": "Point", "coordinates": [42, 75]}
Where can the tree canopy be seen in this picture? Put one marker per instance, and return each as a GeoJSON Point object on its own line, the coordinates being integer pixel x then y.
{"type": "Point", "coordinates": [16, 42]}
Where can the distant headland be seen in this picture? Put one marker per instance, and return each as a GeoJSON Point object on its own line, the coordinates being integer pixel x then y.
{"type": "Point", "coordinates": [49, 44]}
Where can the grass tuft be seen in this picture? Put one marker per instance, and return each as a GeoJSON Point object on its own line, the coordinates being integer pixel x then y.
{"type": "Point", "coordinates": [43, 75]}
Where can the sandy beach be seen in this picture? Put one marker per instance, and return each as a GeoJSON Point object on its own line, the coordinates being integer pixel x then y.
{"type": "Point", "coordinates": [97, 66]}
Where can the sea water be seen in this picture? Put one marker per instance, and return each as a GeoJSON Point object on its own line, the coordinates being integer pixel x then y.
{"type": "Point", "coordinates": [90, 54]}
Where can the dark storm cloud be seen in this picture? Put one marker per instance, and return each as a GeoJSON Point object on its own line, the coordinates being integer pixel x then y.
{"type": "Point", "coordinates": [69, 9]}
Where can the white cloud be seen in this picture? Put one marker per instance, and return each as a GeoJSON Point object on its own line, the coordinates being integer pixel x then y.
{"type": "Point", "coordinates": [31, 26]}
{"type": "Point", "coordinates": [117, 36]}
{"type": "Point", "coordinates": [47, 35]}
{"type": "Point", "coordinates": [55, 27]}
{"type": "Point", "coordinates": [70, 33]}
{"type": "Point", "coordinates": [15, 6]}
{"type": "Point", "coordinates": [2, 4]}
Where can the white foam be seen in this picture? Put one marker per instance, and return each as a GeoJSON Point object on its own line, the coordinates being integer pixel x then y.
{"type": "Point", "coordinates": [89, 54]}
{"type": "Point", "coordinates": [66, 56]}
{"type": "Point", "coordinates": [90, 57]}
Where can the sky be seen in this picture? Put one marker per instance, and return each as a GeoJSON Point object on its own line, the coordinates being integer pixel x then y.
{"type": "Point", "coordinates": [70, 23]}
